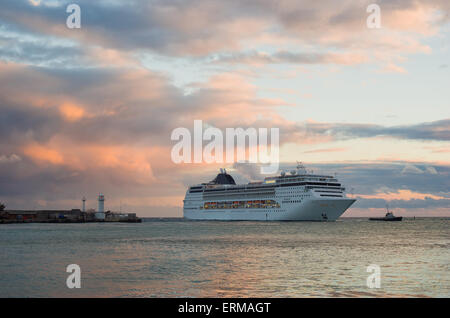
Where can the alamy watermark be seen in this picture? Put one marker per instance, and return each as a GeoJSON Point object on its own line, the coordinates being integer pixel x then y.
{"type": "Point", "coordinates": [257, 151]}
{"type": "Point", "coordinates": [374, 279]}
{"type": "Point", "coordinates": [73, 21]}
{"type": "Point", "coordinates": [374, 19]}
{"type": "Point", "coordinates": [74, 279]}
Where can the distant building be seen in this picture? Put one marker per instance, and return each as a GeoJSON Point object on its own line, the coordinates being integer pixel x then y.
{"type": "Point", "coordinates": [64, 216]}
{"type": "Point", "coordinates": [74, 215]}
{"type": "Point", "coordinates": [19, 216]}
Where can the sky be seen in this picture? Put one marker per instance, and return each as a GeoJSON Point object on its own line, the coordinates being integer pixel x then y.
{"type": "Point", "coordinates": [90, 110]}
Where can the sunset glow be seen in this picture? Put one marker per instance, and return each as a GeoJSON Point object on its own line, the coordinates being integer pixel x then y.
{"type": "Point", "coordinates": [91, 110]}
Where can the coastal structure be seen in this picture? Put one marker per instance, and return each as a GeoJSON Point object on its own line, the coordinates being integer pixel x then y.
{"type": "Point", "coordinates": [100, 214]}
{"type": "Point", "coordinates": [68, 216]}
{"type": "Point", "coordinates": [63, 216]}
{"type": "Point", "coordinates": [299, 196]}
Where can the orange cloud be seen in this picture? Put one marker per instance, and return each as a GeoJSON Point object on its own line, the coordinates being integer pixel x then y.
{"type": "Point", "coordinates": [44, 154]}
{"type": "Point", "coordinates": [71, 112]}
{"type": "Point", "coordinates": [401, 195]}
{"type": "Point", "coordinates": [438, 149]}
{"type": "Point", "coordinates": [393, 68]}
{"type": "Point", "coordinates": [126, 159]}
{"type": "Point", "coordinates": [326, 150]}
{"type": "Point", "coordinates": [416, 19]}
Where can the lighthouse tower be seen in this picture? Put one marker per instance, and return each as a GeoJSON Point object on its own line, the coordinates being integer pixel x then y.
{"type": "Point", "coordinates": [100, 214]}
{"type": "Point", "coordinates": [84, 205]}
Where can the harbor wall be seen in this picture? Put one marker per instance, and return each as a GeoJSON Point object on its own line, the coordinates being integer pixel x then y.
{"type": "Point", "coordinates": [63, 216]}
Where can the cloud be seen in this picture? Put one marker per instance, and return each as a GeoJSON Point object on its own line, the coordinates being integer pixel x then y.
{"type": "Point", "coordinates": [438, 149]}
{"type": "Point", "coordinates": [9, 159]}
{"type": "Point", "coordinates": [71, 112]}
{"type": "Point", "coordinates": [431, 170]}
{"type": "Point", "coordinates": [370, 178]}
{"type": "Point", "coordinates": [392, 68]}
{"type": "Point", "coordinates": [41, 153]}
{"type": "Point", "coordinates": [84, 116]}
{"type": "Point", "coordinates": [436, 130]}
{"type": "Point", "coordinates": [285, 57]}
{"type": "Point", "coordinates": [404, 195]}
{"type": "Point", "coordinates": [250, 171]}
{"type": "Point", "coordinates": [35, 2]}
{"type": "Point", "coordinates": [375, 184]}
{"type": "Point", "coordinates": [336, 33]}
{"type": "Point", "coordinates": [36, 49]}
{"type": "Point", "coordinates": [325, 150]}
{"type": "Point", "coordinates": [91, 130]}
{"type": "Point", "coordinates": [426, 206]}
{"type": "Point", "coordinates": [409, 168]}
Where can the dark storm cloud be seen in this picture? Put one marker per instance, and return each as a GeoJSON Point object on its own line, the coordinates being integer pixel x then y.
{"type": "Point", "coordinates": [25, 185]}
{"type": "Point", "coordinates": [113, 111]}
{"type": "Point", "coordinates": [371, 177]}
{"type": "Point", "coordinates": [19, 124]}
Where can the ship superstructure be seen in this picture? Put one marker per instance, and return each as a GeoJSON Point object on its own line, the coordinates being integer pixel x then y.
{"type": "Point", "coordinates": [297, 196]}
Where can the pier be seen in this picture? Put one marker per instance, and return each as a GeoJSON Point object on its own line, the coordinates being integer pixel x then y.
{"type": "Point", "coordinates": [64, 216]}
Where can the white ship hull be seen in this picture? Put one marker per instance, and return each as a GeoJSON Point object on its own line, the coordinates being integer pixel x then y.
{"type": "Point", "coordinates": [312, 210]}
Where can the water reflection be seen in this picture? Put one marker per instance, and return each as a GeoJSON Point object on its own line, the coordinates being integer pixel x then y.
{"type": "Point", "coordinates": [227, 259]}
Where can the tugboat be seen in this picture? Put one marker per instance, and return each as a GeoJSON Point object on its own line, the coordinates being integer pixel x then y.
{"type": "Point", "coordinates": [388, 217]}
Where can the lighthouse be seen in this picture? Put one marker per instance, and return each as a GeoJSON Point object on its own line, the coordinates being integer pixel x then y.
{"type": "Point", "coordinates": [84, 205]}
{"type": "Point", "coordinates": [100, 214]}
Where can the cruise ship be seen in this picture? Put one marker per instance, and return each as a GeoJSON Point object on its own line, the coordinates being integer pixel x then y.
{"type": "Point", "coordinates": [297, 196]}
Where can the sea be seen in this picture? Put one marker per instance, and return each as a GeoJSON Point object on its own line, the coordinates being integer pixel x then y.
{"type": "Point", "coordinates": [180, 258]}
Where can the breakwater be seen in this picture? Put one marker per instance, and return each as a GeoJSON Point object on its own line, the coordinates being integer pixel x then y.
{"type": "Point", "coordinates": [64, 216]}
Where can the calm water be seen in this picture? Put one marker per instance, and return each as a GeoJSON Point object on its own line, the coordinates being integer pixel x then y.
{"type": "Point", "coordinates": [222, 259]}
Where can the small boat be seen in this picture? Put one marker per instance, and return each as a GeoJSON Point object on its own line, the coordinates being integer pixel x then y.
{"type": "Point", "coordinates": [388, 217]}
